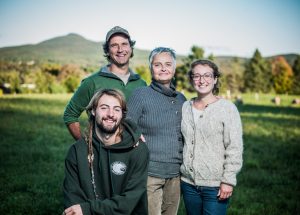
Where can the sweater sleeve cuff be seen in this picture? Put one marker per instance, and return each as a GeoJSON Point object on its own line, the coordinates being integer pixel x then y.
{"type": "Point", "coordinates": [86, 208]}
{"type": "Point", "coordinates": [231, 181]}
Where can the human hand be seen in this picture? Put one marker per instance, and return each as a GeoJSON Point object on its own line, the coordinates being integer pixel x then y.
{"type": "Point", "coordinates": [225, 191]}
{"type": "Point", "coordinates": [73, 210]}
{"type": "Point", "coordinates": [142, 138]}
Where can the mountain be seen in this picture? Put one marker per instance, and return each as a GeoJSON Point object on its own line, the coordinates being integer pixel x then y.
{"type": "Point", "coordinates": [75, 49]}
{"type": "Point", "coordinates": [71, 48]}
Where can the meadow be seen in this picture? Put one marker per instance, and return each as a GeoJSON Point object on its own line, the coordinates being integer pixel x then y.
{"type": "Point", "coordinates": [34, 142]}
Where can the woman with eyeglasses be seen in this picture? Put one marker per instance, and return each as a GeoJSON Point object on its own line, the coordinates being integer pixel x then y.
{"type": "Point", "coordinates": [213, 147]}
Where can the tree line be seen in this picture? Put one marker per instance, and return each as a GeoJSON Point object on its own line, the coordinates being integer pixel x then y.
{"type": "Point", "coordinates": [257, 74]}
{"type": "Point", "coordinates": [34, 77]}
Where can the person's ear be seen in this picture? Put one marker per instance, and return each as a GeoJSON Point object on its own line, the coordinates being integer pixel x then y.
{"type": "Point", "coordinates": [93, 112]}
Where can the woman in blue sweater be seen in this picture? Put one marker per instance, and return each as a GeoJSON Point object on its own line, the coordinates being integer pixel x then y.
{"type": "Point", "coordinates": [157, 111]}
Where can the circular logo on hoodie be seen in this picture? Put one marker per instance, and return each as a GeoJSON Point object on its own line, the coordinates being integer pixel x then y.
{"type": "Point", "coordinates": [118, 167]}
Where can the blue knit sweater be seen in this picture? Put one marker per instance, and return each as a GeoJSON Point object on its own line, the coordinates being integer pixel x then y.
{"type": "Point", "coordinates": [157, 112]}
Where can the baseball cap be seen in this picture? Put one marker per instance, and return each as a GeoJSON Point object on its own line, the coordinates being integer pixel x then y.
{"type": "Point", "coordinates": [116, 30]}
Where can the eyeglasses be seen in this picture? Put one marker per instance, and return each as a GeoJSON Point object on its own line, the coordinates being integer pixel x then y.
{"type": "Point", "coordinates": [206, 76]}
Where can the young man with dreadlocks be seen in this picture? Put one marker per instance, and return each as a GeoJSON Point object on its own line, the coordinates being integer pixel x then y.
{"type": "Point", "coordinates": [106, 172]}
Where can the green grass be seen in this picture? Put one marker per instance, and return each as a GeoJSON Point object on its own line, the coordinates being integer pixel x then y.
{"type": "Point", "coordinates": [34, 141]}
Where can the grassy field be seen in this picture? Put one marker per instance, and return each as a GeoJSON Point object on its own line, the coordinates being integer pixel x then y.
{"type": "Point", "coordinates": [34, 141]}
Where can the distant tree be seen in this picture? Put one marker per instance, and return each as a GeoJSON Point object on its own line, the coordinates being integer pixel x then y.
{"type": "Point", "coordinates": [296, 81]}
{"type": "Point", "coordinates": [70, 76]}
{"type": "Point", "coordinates": [197, 53]}
{"type": "Point", "coordinates": [69, 70]}
{"type": "Point", "coordinates": [43, 81]}
{"type": "Point", "coordinates": [71, 83]}
{"type": "Point", "coordinates": [51, 68]}
{"type": "Point", "coordinates": [232, 76]}
{"type": "Point", "coordinates": [257, 75]}
{"type": "Point", "coordinates": [282, 75]}
{"type": "Point", "coordinates": [211, 57]}
{"type": "Point", "coordinates": [229, 82]}
{"type": "Point", "coordinates": [181, 77]}
{"type": "Point", "coordinates": [12, 81]}
{"type": "Point", "coordinates": [144, 72]}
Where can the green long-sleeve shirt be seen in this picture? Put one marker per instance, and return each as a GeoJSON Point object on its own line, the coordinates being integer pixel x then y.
{"type": "Point", "coordinates": [97, 81]}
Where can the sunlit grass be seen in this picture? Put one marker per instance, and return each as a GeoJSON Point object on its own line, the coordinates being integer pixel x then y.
{"type": "Point", "coordinates": [34, 141]}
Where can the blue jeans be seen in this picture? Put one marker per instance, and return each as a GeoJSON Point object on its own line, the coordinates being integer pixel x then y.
{"type": "Point", "coordinates": [202, 200]}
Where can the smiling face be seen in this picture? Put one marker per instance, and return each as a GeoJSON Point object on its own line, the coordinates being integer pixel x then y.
{"type": "Point", "coordinates": [108, 114]}
{"type": "Point", "coordinates": [163, 68]}
{"type": "Point", "coordinates": [203, 79]}
{"type": "Point", "coordinates": [119, 50]}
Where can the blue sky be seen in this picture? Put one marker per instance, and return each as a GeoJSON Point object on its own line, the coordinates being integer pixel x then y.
{"type": "Point", "coordinates": [221, 27]}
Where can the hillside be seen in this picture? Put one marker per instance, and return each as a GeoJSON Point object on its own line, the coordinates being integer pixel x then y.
{"type": "Point", "coordinates": [71, 48]}
{"type": "Point", "coordinates": [75, 49]}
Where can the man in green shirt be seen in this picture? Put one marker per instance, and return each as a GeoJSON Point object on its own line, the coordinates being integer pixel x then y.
{"type": "Point", "coordinates": [118, 49]}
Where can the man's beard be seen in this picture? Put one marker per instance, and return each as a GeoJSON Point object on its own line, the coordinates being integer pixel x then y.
{"type": "Point", "coordinates": [118, 64]}
{"type": "Point", "coordinates": [106, 129]}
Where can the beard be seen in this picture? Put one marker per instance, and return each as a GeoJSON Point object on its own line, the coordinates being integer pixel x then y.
{"type": "Point", "coordinates": [107, 129]}
{"type": "Point", "coordinates": [118, 64]}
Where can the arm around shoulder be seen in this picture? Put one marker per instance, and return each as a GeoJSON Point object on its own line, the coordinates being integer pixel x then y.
{"type": "Point", "coordinates": [74, 129]}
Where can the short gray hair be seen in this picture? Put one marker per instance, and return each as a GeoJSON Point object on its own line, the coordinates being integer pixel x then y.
{"type": "Point", "coordinates": [160, 50]}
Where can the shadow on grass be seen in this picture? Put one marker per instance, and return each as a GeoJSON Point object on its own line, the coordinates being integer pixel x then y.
{"type": "Point", "coordinates": [261, 109]}
{"type": "Point", "coordinates": [32, 150]}
{"type": "Point", "coordinates": [269, 180]}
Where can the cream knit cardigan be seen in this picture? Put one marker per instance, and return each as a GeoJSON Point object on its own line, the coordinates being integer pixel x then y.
{"type": "Point", "coordinates": [213, 144]}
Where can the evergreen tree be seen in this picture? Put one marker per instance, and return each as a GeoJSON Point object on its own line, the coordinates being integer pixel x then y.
{"type": "Point", "coordinates": [282, 75]}
{"type": "Point", "coordinates": [181, 77]}
{"type": "Point", "coordinates": [257, 76]}
{"type": "Point", "coordinates": [232, 76]}
{"type": "Point", "coordinates": [296, 81]}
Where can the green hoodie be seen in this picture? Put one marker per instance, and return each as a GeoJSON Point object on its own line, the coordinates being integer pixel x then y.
{"type": "Point", "coordinates": [97, 81]}
{"type": "Point", "coordinates": [120, 175]}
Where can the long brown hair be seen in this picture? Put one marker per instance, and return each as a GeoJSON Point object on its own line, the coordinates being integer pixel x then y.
{"type": "Point", "coordinates": [92, 106]}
